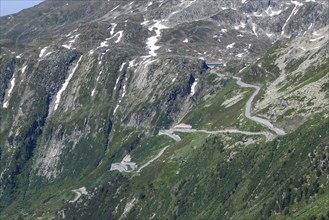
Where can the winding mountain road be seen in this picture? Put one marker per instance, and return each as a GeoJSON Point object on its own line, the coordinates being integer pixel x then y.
{"type": "Point", "coordinates": [183, 128]}
{"type": "Point", "coordinates": [153, 159]}
{"type": "Point", "coordinates": [256, 119]}
{"type": "Point", "coordinates": [270, 136]}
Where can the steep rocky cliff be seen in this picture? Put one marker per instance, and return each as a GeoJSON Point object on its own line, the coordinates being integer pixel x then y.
{"type": "Point", "coordinates": [87, 84]}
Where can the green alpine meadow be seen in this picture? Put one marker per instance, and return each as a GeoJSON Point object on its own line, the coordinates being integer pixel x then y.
{"type": "Point", "coordinates": [165, 110]}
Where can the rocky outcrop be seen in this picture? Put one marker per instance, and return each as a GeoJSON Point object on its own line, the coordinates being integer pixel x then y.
{"type": "Point", "coordinates": [125, 69]}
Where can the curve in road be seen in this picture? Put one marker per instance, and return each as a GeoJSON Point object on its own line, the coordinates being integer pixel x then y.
{"type": "Point", "coordinates": [170, 132]}
{"type": "Point", "coordinates": [153, 159]}
{"type": "Point", "coordinates": [256, 119]}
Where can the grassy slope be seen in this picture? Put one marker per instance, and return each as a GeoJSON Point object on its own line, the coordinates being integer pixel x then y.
{"type": "Point", "coordinates": [194, 180]}
{"type": "Point", "coordinates": [211, 115]}
{"type": "Point", "coordinates": [253, 183]}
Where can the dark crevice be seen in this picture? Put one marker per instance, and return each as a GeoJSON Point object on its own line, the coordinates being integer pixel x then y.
{"type": "Point", "coordinates": [108, 133]}
{"type": "Point", "coordinates": [28, 141]}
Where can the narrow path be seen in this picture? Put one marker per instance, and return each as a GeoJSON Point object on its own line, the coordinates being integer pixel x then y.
{"type": "Point", "coordinates": [256, 119]}
{"type": "Point", "coordinates": [183, 128]}
{"type": "Point", "coordinates": [170, 132]}
{"type": "Point", "coordinates": [269, 136]}
{"type": "Point", "coordinates": [153, 159]}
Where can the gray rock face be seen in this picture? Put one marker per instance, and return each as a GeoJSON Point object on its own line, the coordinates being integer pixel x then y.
{"type": "Point", "coordinates": [123, 70]}
{"type": "Point", "coordinates": [7, 73]}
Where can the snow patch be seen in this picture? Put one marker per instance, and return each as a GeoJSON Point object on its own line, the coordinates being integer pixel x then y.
{"type": "Point", "coordinates": [297, 3]}
{"type": "Point", "coordinates": [42, 52]}
{"type": "Point", "coordinates": [193, 87]}
{"type": "Point", "coordinates": [316, 33]}
{"type": "Point", "coordinates": [316, 39]}
{"type": "Point", "coordinates": [47, 54]}
{"type": "Point", "coordinates": [5, 104]}
{"type": "Point", "coordinates": [71, 42]}
{"type": "Point", "coordinates": [74, 38]}
{"type": "Point", "coordinates": [116, 82]}
{"type": "Point", "coordinates": [12, 85]}
{"type": "Point", "coordinates": [145, 22]}
{"type": "Point", "coordinates": [148, 62]}
{"type": "Point", "coordinates": [120, 36]}
{"type": "Point", "coordinates": [116, 108]}
{"type": "Point", "coordinates": [124, 87]}
{"type": "Point", "coordinates": [64, 86]}
{"type": "Point", "coordinates": [241, 25]}
{"type": "Point", "coordinates": [113, 28]}
{"type": "Point", "coordinates": [23, 69]}
{"type": "Point", "coordinates": [230, 46]}
{"type": "Point", "coordinates": [254, 29]}
{"type": "Point", "coordinates": [97, 79]}
{"type": "Point", "coordinates": [100, 58]}
{"type": "Point", "coordinates": [269, 11]}
{"type": "Point", "coordinates": [293, 12]}
{"type": "Point", "coordinates": [114, 8]}
{"type": "Point", "coordinates": [99, 75]}
{"type": "Point", "coordinates": [103, 44]}
{"type": "Point", "coordinates": [131, 63]}
{"type": "Point", "coordinates": [120, 33]}
{"type": "Point", "coordinates": [151, 41]}
{"type": "Point", "coordinates": [239, 55]}
{"type": "Point", "coordinates": [93, 93]}
{"type": "Point", "coordinates": [185, 41]}
{"type": "Point", "coordinates": [66, 46]}
{"type": "Point", "coordinates": [302, 48]}
{"type": "Point", "coordinates": [123, 91]}
{"type": "Point", "coordinates": [121, 68]}
{"type": "Point", "coordinates": [258, 15]}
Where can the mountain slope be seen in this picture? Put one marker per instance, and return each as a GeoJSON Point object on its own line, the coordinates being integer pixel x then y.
{"type": "Point", "coordinates": [86, 87]}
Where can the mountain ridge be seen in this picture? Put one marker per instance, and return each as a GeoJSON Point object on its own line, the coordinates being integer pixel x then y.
{"type": "Point", "coordinates": [86, 84]}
